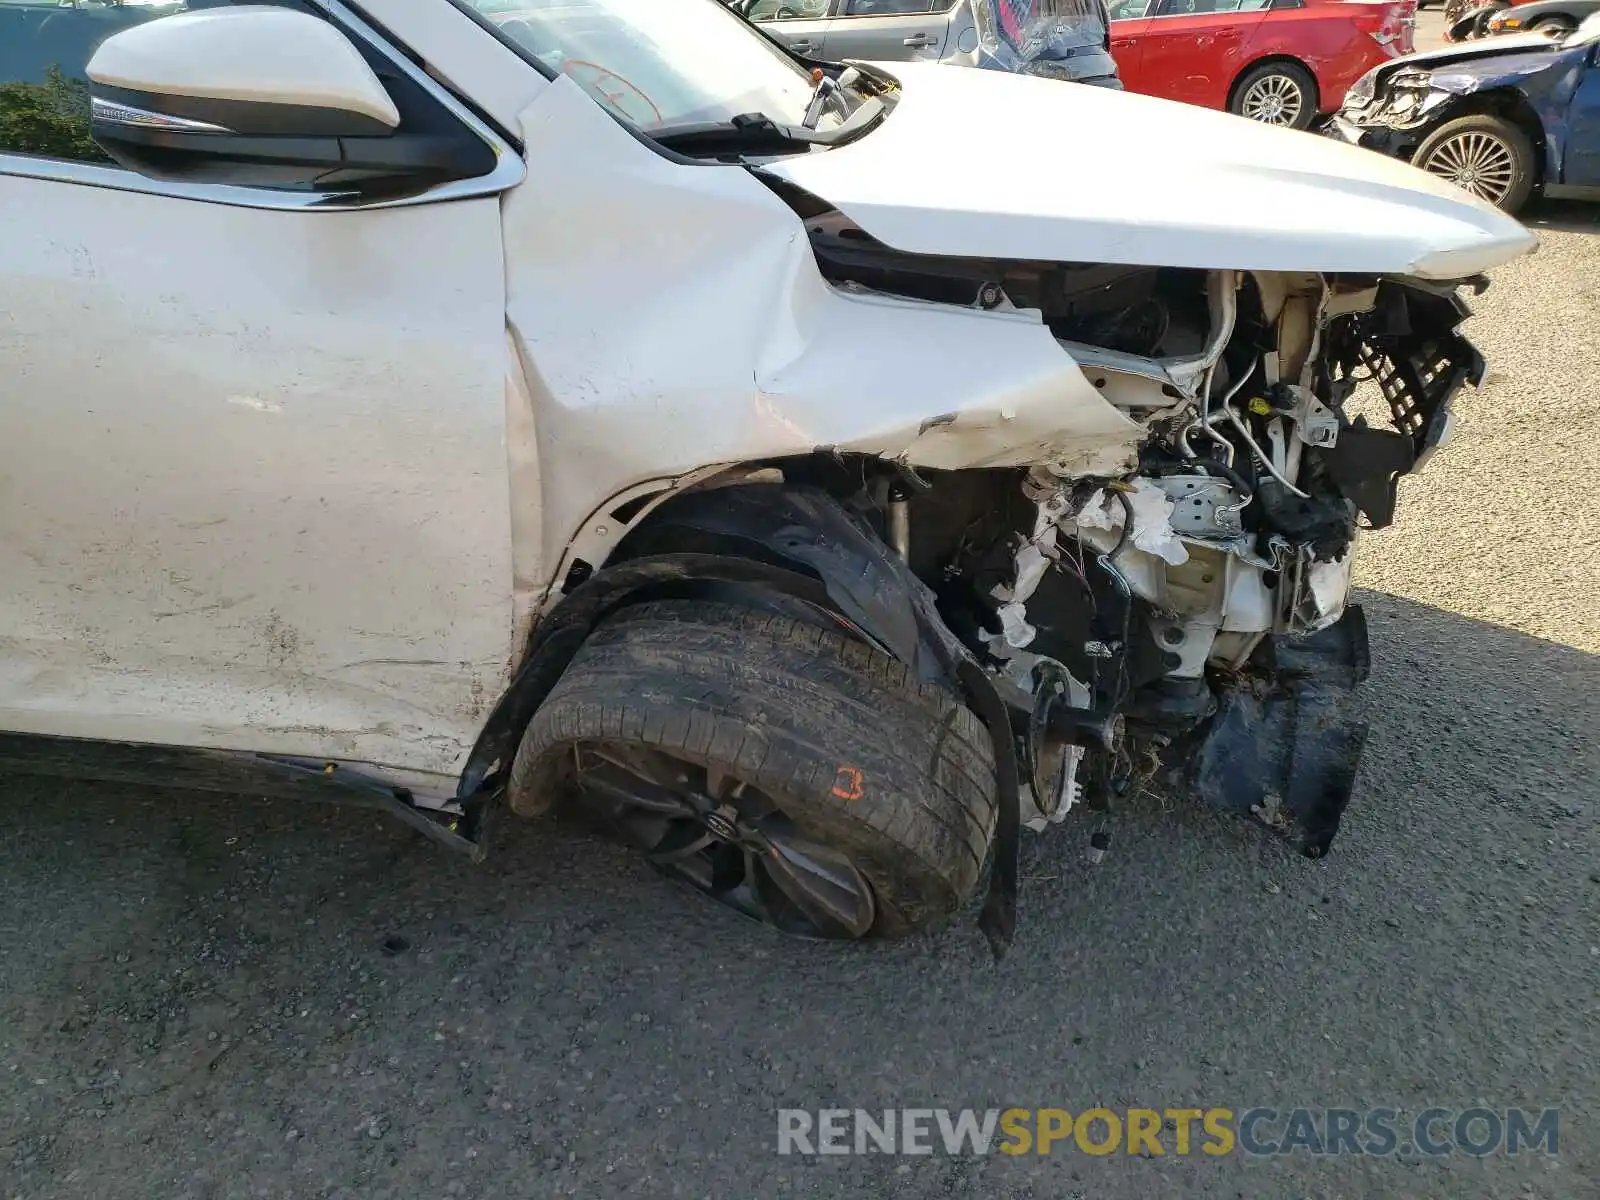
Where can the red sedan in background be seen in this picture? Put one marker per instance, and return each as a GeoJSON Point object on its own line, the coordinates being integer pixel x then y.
{"type": "Point", "coordinates": [1278, 61]}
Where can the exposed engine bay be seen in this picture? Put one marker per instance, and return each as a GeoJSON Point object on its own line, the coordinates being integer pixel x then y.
{"type": "Point", "coordinates": [1189, 616]}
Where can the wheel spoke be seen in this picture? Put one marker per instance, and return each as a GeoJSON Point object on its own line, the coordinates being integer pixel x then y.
{"type": "Point", "coordinates": [641, 829]}
{"type": "Point", "coordinates": [1479, 162]}
{"type": "Point", "coordinates": [727, 838]}
{"type": "Point", "coordinates": [729, 870]}
{"type": "Point", "coordinates": [1273, 100]}
{"type": "Point", "coordinates": [721, 786]}
{"type": "Point", "coordinates": [820, 882]}
{"type": "Point", "coordinates": [657, 769]}
{"type": "Point", "coordinates": [623, 788]}
{"type": "Point", "coordinates": [754, 806]}
{"type": "Point", "coordinates": [634, 780]}
{"type": "Point", "coordinates": [1482, 152]}
{"type": "Point", "coordinates": [682, 841]}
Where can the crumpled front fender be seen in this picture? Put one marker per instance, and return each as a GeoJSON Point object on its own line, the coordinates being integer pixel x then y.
{"type": "Point", "coordinates": [669, 315]}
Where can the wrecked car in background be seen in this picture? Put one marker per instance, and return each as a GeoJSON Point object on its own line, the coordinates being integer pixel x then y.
{"type": "Point", "coordinates": [1553, 18]}
{"type": "Point", "coordinates": [1466, 20]}
{"type": "Point", "coordinates": [1059, 39]}
{"type": "Point", "coordinates": [1502, 119]}
{"type": "Point", "coordinates": [1278, 61]}
{"type": "Point", "coordinates": [795, 476]}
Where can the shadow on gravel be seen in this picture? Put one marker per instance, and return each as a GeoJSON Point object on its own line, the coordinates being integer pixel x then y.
{"type": "Point", "coordinates": [205, 996]}
{"type": "Point", "coordinates": [1564, 216]}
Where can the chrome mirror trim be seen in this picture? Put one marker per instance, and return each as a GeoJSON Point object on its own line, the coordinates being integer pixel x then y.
{"type": "Point", "coordinates": [113, 113]}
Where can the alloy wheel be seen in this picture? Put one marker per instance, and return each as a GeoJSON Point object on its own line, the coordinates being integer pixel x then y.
{"type": "Point", "coordinates": [1477, 161]}
{"type": "Point", "coordinates": [1273, 100]}
{"type": "Point", "coordinates": [726, 838]}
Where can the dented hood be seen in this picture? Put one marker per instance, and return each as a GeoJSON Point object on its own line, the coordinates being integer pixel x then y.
{"type": "Point", "coordinates": [1504, 44]}
{"type": "Point", "coordinates": [992, 165]}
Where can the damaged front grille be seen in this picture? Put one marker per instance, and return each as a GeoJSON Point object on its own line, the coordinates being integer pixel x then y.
{"type": "Point", "coordinates": [1410, 347]}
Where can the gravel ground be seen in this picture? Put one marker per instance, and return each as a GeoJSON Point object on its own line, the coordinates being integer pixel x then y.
{"type": "Point", "coordinates": [217, 997]}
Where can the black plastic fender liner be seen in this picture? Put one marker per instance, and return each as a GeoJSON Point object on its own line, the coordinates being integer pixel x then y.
{"type": "Point", "coordinates": [1289, 751]}
{"type": "Point", "coordinates": [557, 638]}
{"type": "Point", "coordinates": [808, 530]}
{"type": "Point", "coordinates": [800, 542]}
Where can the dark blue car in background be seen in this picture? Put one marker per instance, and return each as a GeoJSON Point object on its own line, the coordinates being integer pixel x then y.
{"type": "Point", "coordinates": [1502, 118]}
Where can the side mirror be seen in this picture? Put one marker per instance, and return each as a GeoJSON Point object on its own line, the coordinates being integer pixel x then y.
{"type": "Point", "coordinates": [253, 95]}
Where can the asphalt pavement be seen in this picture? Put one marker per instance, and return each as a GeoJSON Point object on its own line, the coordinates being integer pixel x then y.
{"type": "Point", "coordinates": [206, 996]}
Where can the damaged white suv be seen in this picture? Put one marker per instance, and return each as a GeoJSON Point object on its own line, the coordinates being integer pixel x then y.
{"type": "Point", "coordinates": [815, 479]}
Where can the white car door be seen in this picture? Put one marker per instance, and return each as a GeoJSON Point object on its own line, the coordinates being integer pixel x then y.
{"type": "Point", "coordinates": [253, 472]}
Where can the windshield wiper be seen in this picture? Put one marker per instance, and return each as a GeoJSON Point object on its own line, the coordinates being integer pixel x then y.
{"type": "Point", "coordinates": [747, 131]}
{"type": "Point", "coordinates": [755, 131]}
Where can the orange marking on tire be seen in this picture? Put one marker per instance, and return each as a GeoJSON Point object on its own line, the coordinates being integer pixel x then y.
{"type": "Point", "coordinates": [847, 784]}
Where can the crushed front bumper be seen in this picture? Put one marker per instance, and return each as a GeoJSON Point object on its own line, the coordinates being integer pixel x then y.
{"type": "Point", "coordinates": [1396, 143]}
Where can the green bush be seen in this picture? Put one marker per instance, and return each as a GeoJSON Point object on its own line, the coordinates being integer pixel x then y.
{"type": "Point", "coordinates": [49, 118]}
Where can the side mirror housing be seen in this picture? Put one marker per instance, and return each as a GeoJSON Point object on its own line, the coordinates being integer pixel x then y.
{"type": "Point", "coordinates": [259, 96]}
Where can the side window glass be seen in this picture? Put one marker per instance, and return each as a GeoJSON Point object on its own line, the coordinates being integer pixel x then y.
{"type": "Point", "coordinates": [787, 10]}
{"type": "Point", "coordinates": [44, 47]}
{"type": "Point", "coordinates": [892, 8]}
{"type": "Point", "coordinates": [1126, 10]}
{"type": "Point", "coordinates": [1186, 8]}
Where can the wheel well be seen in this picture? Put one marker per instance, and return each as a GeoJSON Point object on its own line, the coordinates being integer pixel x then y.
{"type": "Point", "coordinates": [1509, 106]}
{"type": "Point", "coordinates": [1269, 60]}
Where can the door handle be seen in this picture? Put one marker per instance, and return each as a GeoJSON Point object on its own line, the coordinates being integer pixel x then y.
{"type": "Point", "coordinates": [918, 40]}
{"type": "Point", "coordinates": [800, 47]}
{"type": "Point", "coordinates": [1122, 43]}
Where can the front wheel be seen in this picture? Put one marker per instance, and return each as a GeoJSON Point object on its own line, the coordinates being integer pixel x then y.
{"type": "Point", "coordinates": [1488, 156]}
{"type": "Point", "coordinates": [1277, 93]}
{"type": "Point", "coordinates": [789, 771]}
{"type": "Point", "coordinates": [1552, 27]}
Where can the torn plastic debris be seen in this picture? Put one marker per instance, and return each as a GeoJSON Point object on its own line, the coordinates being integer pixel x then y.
{"type": "Point", "coordinates": [1152, 520]}
{"type": "Point", "coordinates": [1329, 585]}
{"type": "Point", "coordinates": [1031, 562]}
{"type": "Point", "coordinates": [1014, 625]}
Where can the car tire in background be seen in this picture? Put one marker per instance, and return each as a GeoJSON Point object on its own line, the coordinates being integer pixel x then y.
{"type": "Point", "coordinates": [1276, 93]}
{"type": "Point", "coordinates": [1554, 26]}
{"type": "Point", "coordinates": [1487, 155]}
{"type": "Point", "coordinates": [791, 771]}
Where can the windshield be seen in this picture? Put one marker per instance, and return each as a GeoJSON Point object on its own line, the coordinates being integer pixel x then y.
{"type": "Point", "coordinates": [656, 63]}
